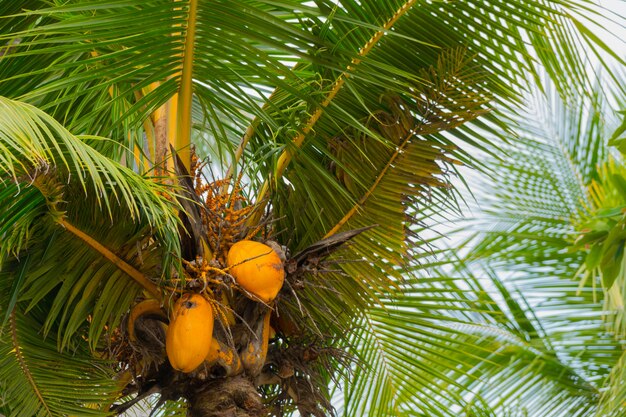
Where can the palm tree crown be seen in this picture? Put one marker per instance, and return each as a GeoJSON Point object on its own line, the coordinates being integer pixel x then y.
{"type": "Point", "coordinates": [142, 141]}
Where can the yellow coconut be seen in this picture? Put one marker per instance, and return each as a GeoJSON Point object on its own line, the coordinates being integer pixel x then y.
{"type": "Point", "coordinates": [189, 334]}
{"type": "Point", "coordinates": [257, 268]}
{"type": "Point", "coordinates": [214, 352]}
{"type": "Point", "coordinates": [225, 356]}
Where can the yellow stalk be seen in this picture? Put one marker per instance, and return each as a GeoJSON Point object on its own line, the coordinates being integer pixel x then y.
{"type": "Point", "coordinates": [182, 142]}
{"type": "Point", "coordinates": [298, 140]}
{"type": "Point", "coordinates": [173, 121]}
{"type": "Point", "coordinates": [138, 159]}
{"type": "Point", "coordinates": [179, 117]}
{"type": "Point", "coordinates": [138, 276]}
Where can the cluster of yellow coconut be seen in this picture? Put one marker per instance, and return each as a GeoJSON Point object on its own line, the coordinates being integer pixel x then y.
{"type": "Point", "coordinates": [256, 268]}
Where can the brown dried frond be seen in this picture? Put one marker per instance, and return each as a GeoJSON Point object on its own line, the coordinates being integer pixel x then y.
{"type": "Point", "coordinates": [296, 371]}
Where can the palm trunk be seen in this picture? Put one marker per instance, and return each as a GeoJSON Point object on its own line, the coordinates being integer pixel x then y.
{"type": "Point", "coordinates": [229, 397]}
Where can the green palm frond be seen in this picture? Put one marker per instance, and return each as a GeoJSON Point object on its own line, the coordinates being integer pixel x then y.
{"type": "Point", "coordinates": [601, 239]}
{"type": "Point", "coordinates": [37, 150]}
{"type": "Point", "coordinates": [542, 181]}
{"type": "Point", "coordinates": [540, 345]}
{"type": "Point", "coordinates": [17, 217]}
{"type": "Point", "coordinates": [340, 109]}
{"type": "Point", "coordinates": [96, 80]}
{"type": "Point", "coordinates": [613, 399]}
{"type": "Point", "coordinates": [37, 380]}
{"type": "Point", "coordinates": [374, 65]}
{"type": "Point", "coordinates": [352, 98]}
{"type": "Point", "coordinates": [542, 362]}
{"type": "Point", "coordinates": [74, 281]}
{"type": "Point", "coordinates": [380, 170]}
{"type": "Point", "coordinates": [446, 346]}
{"type": "Point", "coordinates": [531, 210]}
{"type": "Point", "coordinates": [57, 188]}
{"type": "Point", "coordinates": [319, 200]}
{"type": "Point", "coordinates": [99, 80]}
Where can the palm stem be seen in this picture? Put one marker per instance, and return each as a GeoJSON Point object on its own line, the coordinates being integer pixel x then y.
{"type": "Point", "coordinates": [369, 192]}
{"type": "Point", "coordinates": [139, 277]}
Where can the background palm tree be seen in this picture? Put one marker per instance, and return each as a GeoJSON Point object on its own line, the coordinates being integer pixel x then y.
{"type": "Point", "coordinates": [333, 115]}
{"type": "Point", "coordinates": [549, 229]}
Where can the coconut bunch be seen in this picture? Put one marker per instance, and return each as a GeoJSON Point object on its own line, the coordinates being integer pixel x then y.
{"type": "Point", "coordinates": [227, 319]}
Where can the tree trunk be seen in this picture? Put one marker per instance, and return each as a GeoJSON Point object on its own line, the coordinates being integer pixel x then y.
{"type": "Point", "coordinates": [229, 397]}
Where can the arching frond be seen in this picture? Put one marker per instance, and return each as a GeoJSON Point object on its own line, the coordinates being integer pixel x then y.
{"type": "Point", "coordinates": [448, 346]}
{"type": "Point", "coordinates": [334, 112]}
{"type": "Point", "coordinates": [60, 199]}
{"type": "Point", "coordinates": [613, 400]}
{"type": "Point", "coordinates": [37, 150]}
{"type": "Point", "coordinates": [37, 380]}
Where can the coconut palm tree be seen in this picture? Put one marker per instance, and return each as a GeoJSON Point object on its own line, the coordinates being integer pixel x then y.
{"type": "Point", "coordinates": [143, 142]}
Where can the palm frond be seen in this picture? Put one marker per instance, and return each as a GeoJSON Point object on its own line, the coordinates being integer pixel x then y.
{"type": "Point", "coordinates": [102, 81]}
{"type": "Point", "coordinates": [374, 65]}
{"type": "Point", "coordinates": [346, 112]}
{"type": "Point", "coordinates": [354, 96]}
{"type": "Point", "coordinates": [57, 192]}
{"type": "Point", "coordinates": [446, 346]}
{"type": "Point", "coordinates": [37, 380]}
{"type": "Point", "coordinates": [613, 399]}
{"type": "Point", "coordinates": [380, 170]}
{"type": "Point", "coordinates": [535, 343]}
{"type": "Point", "coordinates": [82, 289]}
{"type": "Point", "coordinates": [98, 80]}
{"type": "Point", "coordinates": [35, 146]}
{"type": "Point", "coordinates": [531, 211]}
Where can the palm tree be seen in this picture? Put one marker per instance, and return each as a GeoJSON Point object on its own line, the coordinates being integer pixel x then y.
{"type": "Point", "coordinates": [140, 141]}
{"type": "Point", "coordinates": [551, 230]}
